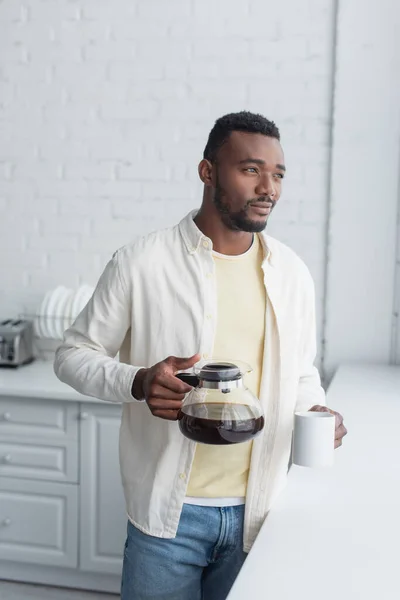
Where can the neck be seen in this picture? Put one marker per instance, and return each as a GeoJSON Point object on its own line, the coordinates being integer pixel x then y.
{"type": "Point", "coordinates": [225, 241]}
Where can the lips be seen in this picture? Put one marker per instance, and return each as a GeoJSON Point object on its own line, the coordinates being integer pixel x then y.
{"type": "Point", "coordinates": [263, 209]}
{"type": "Point", "coordinates": [262, 205]}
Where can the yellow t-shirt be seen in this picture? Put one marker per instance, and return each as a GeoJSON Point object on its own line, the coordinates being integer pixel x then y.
{"type": "Point", "coordinates": [222, 471]}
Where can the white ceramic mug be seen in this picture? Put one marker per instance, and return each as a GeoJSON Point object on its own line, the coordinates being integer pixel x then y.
{"type": "Point", "coordinates": [313, 439]}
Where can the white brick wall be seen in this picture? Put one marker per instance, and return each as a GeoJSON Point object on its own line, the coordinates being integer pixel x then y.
{"type": "Point", "coordinates": [364, 202]}
{"type": "Point", "coordinates": [105, 108]}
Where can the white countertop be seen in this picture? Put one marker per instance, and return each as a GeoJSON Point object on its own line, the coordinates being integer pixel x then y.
{"type": "Point", "coordinates": [334, 534]}
{"type": "Point", "coordinates": [37, 380]}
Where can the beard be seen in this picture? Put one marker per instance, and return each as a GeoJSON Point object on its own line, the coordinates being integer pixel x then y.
{"type": "Point", "coordinates": [240, 220]}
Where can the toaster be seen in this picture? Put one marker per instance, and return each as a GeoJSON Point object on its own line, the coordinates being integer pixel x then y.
{"type": "Point", "coordinates": [16, 342]}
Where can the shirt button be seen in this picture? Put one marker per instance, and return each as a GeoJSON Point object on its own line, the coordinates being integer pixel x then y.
{"type": "Point", "coordinates": [210, 275]}
{"type": "Point", "coordinates": [205, 355]}
{"type": "Point", "coordinates": [182, 475]}
{"type": "Point", "coordinates": [209, 317]}
{"type": "Point", "coordinates": [205, 244]}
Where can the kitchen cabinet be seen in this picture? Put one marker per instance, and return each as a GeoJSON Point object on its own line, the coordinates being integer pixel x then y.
{"type": "Point", "coordinates": [102, 507]}
{"type": "Point", "coordinates": [38, 522]}
{"type": "Point", "coordinates": [62, 511]}
{"type": "Point", "coordinates": [38, 439]}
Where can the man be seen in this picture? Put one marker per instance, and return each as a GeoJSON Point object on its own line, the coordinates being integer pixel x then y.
{"type": "Point", "coordinates": [210, 286]}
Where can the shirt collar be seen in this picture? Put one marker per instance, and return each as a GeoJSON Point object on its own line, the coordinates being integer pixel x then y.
{"type": "Point", "coordinates": [193, 237]}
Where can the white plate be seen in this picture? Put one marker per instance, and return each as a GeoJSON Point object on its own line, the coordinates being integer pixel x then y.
{"type": "Point", "coordinates": [60, 313]}
{"type": "Point", "coordinates": [37, 329]}
{"type": "Point", "coordinates": [67, 310]}
{"type": "Point", "coordinates": [76, 302]}
{"type": "Point", "coordinates": [39, 318]}
{"type": "Point", "coordinates": [42, 321]}
{"type": "Point", "coordinates": [51, 321]}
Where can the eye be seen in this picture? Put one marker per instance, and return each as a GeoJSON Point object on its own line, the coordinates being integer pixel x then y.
{"type": "Point", "coordinates": [251, 170]}
{"type": "Point", "coordinates": [279, 175]}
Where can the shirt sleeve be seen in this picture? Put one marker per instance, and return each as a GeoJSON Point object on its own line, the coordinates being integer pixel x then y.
{"type": "Point", "coordinates": [86, 360]}
{"type": "Point", "coordinates": [310, 392]}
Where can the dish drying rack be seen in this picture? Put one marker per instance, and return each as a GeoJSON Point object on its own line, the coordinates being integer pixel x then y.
{"type": "Point", "coordinates": [59, 325]}
{"type": "Point", "coordinates": [58, 309]}
{"type": "Point", "coordinates": [44, 346]}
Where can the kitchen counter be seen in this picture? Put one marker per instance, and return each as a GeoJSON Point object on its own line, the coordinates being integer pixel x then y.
{"type": "Point", "coordinates": [38, 380]}
{"type": "Point", "coordinates": [335, 533]}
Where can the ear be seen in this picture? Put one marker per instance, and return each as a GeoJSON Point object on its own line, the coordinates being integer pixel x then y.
{"type": "Point", "coordinates": [206, 172]}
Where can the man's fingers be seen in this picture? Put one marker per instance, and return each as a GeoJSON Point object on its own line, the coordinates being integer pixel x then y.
{"type": "Point", "coordinates": [338, 416]}
{"type": "Point", "coordinates": [172, 383]}
{"type": "Point", "coordinates": [340, 429]}
{"type": "Point", "coordinates": [169, 415]}
{"type": "Point", "coordinates": [340, 432]}
{"type": "Point", "coordinates": [339, 420]}
{"type": "Point", "coordinates": [164, 404]}
{"type": "Point", "coordinates": [165, 391]}
{"type": "Point", "coordinates": [181, 364]}
{"type": "Point", "coordinates": [318, 408]}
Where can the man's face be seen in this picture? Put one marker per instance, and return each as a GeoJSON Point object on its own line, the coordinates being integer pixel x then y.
{"type": "Point", "coordinates": [248, 173]}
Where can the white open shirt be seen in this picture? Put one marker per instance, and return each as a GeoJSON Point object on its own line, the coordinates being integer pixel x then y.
{"type": "Point", "coordinates": [154, 299]}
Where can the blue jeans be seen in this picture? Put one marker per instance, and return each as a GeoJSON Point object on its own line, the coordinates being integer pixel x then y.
{"type": "Point", "coordinates": [201, 563]}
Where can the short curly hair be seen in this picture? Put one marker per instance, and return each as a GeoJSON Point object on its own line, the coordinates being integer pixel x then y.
{"type": "Point", "coordinates": [241, 121]}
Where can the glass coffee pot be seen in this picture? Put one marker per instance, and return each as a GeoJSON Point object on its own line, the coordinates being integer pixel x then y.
{"type": "Point", "coordinates": [220, 409]}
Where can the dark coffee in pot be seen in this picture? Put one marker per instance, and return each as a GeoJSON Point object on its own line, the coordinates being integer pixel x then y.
{"type": "Point", "coordinates": [220, 423]}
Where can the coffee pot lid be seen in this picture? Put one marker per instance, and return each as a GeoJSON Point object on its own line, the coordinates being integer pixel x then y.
{"type": "Point", "coordinates": [221, 371]}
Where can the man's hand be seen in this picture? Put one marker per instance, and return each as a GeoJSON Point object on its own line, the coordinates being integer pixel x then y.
{"type": "Point", "coordinates": [340, 429]}
{"type": "Point", "coordinates": [163, 391]}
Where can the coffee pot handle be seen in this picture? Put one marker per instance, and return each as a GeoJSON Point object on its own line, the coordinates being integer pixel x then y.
{"type": "Point", "coordinates": [189, 378]}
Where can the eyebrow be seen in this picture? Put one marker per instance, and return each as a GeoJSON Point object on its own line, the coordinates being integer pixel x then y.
{"type": "Point", "coordinates": [258, 161]}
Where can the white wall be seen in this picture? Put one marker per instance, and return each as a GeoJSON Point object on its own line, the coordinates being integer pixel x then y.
{"type": "Point", "coordinates": [360, 302]}
{"type": "Point", "coordinates": [105, 109]}
{"type": "Point", "coordinates": [395, 352]}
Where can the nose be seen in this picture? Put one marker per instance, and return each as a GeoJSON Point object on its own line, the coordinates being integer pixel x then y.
{"type": "Point", "coordinates": [266, 186]}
